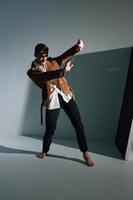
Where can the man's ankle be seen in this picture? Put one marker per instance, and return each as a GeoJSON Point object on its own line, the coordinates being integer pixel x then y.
{"type": "Point", "coordinates": [86, 154]}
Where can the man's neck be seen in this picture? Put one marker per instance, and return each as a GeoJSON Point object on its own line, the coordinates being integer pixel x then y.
{"type": "Point", "coordinates": [44, 63]}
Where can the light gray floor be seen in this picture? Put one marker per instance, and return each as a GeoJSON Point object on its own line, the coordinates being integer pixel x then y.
{"type": "Point", "coordinates": [62, 175]}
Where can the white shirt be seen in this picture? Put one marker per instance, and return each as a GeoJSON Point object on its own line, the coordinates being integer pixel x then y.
{"type": "Point", "coordinates": [53, 98]}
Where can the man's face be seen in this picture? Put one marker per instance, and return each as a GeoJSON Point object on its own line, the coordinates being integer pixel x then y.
{"type": "Point", "coordinates": [42, 58]}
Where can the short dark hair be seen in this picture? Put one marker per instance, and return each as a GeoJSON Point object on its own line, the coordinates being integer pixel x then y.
{"type": "Point", "coordinates": [41, 48]}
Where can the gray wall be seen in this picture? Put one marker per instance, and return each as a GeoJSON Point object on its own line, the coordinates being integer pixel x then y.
{"type": "Point", "coordinates": [103, 25]}
{"type": "Point", "coordinates": [98, 81]}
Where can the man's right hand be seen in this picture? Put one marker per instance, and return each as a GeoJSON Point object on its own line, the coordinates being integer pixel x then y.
{"type": "Point", "coordinates": [68, 66]}
{"type": "Point", "coordinates": [80, 44]}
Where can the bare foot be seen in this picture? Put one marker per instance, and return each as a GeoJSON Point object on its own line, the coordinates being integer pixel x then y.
{"type": "Point", "coordinates": [88, 160]}
{"type": "Point", "coordinates": [41, 155]}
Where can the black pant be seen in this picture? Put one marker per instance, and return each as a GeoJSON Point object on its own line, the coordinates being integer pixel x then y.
{"type": "Point", "coordinates": [72, 112]}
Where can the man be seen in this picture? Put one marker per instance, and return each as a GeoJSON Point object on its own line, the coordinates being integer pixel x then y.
{"type": "Point", "coordinates": [46, 73]}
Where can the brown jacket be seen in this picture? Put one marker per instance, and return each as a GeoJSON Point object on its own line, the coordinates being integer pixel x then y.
{"type": "Point", "coordinates": [54, 74]}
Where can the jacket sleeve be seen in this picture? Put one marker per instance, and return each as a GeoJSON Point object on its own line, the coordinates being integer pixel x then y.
{"type": "Point", "coordinates": [67, 54]}
{"type": "Point", "coordinates": [39, 78]}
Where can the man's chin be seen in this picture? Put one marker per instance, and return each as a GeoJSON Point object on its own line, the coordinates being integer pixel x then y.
{"type": "Point", "coordinates": [43, 63]}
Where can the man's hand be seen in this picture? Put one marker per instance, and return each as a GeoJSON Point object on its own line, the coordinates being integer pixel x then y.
{"type": "Point", "coordinates": [68, 66]}
{"type": "Point", "coordinates": [80, 44]}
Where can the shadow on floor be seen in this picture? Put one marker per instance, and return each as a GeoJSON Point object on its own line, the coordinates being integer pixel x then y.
{"type": "Point", "coordinates": [66, 158]}
{"type": "Point", "coordinates": [8, 150]}
{"type": "Point", "coordinates": [4, 149]}
{"type": "Point", "coordinates": [103, 148]}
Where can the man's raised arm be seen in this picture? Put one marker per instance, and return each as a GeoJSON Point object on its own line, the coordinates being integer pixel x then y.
{"type": "Point", "coordinates": [70, 52]}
